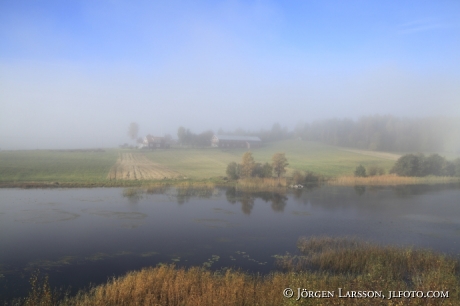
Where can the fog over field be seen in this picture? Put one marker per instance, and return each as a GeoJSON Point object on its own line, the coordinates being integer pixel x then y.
{"type": "Point", "coordinates": [76, 74]}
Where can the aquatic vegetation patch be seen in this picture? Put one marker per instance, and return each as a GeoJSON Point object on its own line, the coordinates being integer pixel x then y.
{"type": "Point", "coordinates": [129, 219]}
{"type": "Point", "coordinates": [244, 256]}
{"type": "Point", "coordinates": [45, 216]}
{"type": "Point", "coordinates": [211, 261]}
{"type": "Point", "coordinates": [98, 256]}
{"type": "Point", "coordinates": [52, 264]}
{"type": "Point", "coordinates": [149, 254]}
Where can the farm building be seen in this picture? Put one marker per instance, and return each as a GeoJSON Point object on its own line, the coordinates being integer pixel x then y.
{"type": "Point", "coordinates": [154, 142]}
{"type": "Point", "coordinates": [223, 141]}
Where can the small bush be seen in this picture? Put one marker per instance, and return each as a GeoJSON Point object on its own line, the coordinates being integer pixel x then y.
{"type": "Point", "coordinates": [360, 171]}
{"type": "Point", "coordinates": [262, 171]}
{"type": "Point", "coordinates": [298, 177]}
{"type": "Point", "coordinates": [306, 177]}
{"type": "Point", "coordinates": [233, 171]}
{"type": "Point", "coordinates": [312, 178]}
{"type": "Point", "coordinates": [374, 170]}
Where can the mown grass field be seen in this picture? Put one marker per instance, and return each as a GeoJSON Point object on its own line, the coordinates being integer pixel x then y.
{"type": "Point", "coordinates": [309, 156]}
{"type": "Point", "coordinates": [193, 163]}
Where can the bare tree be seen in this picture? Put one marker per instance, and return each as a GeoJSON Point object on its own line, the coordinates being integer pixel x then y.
{"type": "Point", "coordinates": [133, 130]}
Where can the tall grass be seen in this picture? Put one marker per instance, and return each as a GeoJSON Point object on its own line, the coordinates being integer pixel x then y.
{"type": "Point", "coordinates": [261, 183]}
{"type": "Point", "coordinates": [324, 264]}
{"type": "Point", "coordinates": [390, 179]}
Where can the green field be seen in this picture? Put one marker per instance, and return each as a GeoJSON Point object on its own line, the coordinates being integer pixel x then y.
{"type": "Point", "coordinates": [55, 166]}
{"type": "Point", "coordinates": [309, 156]}
{"type": "Point", "coordinates": [93, 167]}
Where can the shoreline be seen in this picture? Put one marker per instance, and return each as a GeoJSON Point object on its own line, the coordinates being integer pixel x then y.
{"type": "Point", "coordinates": [253, 184]}
{"type": "Point", "coordinates": [343, 270]}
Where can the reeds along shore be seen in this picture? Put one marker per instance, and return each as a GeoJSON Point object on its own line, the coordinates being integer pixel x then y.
{"type": "Point", "coordinates": [324, 264]}
{"type": "Point", "coordinates": [261, 183]}
{"type": "Point", "coordinates": [391, 179]}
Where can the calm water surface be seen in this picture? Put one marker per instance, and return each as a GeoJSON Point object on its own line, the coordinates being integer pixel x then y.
{"type": "Point", "coordinates": [83, 236]}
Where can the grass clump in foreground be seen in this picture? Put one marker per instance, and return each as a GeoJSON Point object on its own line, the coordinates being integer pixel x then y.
{"type": "Point", "coordinates": [326, 264]}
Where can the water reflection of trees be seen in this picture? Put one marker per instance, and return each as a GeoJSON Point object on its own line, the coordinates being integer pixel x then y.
{"type": "Point", "coordinates": [411, 190]}
{"type": "Point", "coordinates": [360, 190]}
{"type": "Point", "coordinates": [133, 195]}
{"type": "Point", "coordinates": [183, 193]}
{"type": "Point", "coordinates": [247, 199]}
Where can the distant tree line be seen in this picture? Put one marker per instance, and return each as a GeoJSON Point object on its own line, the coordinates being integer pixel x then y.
{"type": "Point", "coordinates": [376, 133]}
{"type": "Point", "coordinates": [421, 165]}
{"type": "Point", "coordinates": [416, 165]}
{"type": "Point", "coordinates": [384, 133]}
{"type": "Point", "coordinates": [186, 137]}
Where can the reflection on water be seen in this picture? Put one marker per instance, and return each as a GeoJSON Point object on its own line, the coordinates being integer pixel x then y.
{"type": "Point", "coordinates": [80, 236]}
{"type": "Point", "coordinates": [360, 190]}
{"type": "Point", "coordinates": [247, 199]}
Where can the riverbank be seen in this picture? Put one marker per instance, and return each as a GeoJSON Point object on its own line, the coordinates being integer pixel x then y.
{"type": "Point", "coordinates": [336, 271]}
{"type": "Point", "coordinates": [391, 180]}
{"type": "Point", "coordinates": [251, 184]}
{"type": "Point", "coordinates": [255, 184]}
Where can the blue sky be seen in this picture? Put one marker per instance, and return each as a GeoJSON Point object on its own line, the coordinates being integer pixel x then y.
{"type": "Point", "coordinates": [76, 73]}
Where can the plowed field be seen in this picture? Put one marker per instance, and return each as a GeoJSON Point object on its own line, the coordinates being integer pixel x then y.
{"type": "Point", "coordinates": [131, 166]}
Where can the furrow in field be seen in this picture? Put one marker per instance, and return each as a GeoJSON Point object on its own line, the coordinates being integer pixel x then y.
{"type": "Point", "coordinates": [136, 166]}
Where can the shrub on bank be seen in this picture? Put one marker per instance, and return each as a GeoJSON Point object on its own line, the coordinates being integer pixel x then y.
{"type": "Point", "coordinates": [374, 170]}
{"type": "Point", "coordinates": [360, 171]}
{"type": "Point", "coordinates": [307, 177]}
{"type": "Point", "coordinates": [250, 169]}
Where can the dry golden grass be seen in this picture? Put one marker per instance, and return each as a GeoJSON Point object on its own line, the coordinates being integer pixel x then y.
{"type": "Point", "coordinates": [326, 264]}
{"type": "Point", "coordinates": [166, 285]}
{"type": "Point", "coordinates": [390, 179]}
